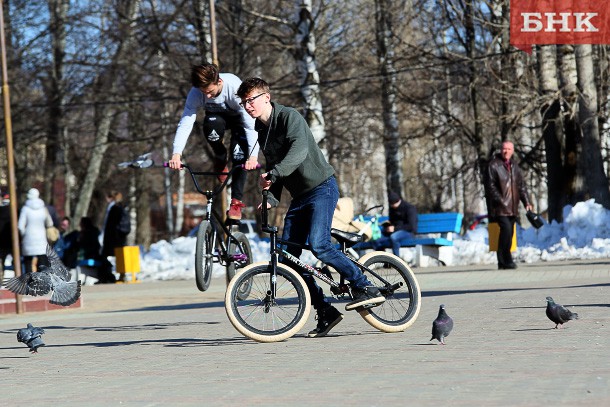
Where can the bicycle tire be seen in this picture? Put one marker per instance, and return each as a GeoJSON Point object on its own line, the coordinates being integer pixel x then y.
{"type": "Point", "coordinates": [402, 306]}
{"type": "Point", "coordinates": [239, 244]}
{"type": "Point", "coordinates": [204, 256]}
{"type": "Point", "coordinates": [256, 318]}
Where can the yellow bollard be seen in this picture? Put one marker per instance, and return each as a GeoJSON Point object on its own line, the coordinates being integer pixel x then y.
{"type": "Point", "coordinates": [127, 261]}
{"type": "Point", "coordinates": [493, 230]}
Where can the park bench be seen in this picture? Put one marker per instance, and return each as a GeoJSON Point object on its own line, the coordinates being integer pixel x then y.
{"type": "Point", "coordinates": [434, 237]}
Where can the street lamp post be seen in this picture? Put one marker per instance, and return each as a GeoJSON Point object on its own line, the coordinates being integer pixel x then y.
{"type": "Point", "coordinates": [10, 160]}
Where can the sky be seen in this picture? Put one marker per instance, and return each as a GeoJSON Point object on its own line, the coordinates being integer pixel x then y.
{"type": "Point", "coordinates": [584, 234]}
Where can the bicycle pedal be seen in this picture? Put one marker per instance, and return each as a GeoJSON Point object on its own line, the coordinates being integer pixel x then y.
{"type": "Point", "coordinates": [368, 306]}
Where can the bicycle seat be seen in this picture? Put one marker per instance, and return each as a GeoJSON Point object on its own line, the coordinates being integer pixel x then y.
{"type": "Point", "coordinates": [348, 238]}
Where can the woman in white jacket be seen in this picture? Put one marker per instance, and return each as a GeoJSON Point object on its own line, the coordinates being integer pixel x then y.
{"type": "Point", "coordinates": [33, 222]}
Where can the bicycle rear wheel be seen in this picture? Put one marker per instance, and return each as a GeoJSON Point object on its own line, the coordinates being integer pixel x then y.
{"type": "Point", "coordinates": [261, 317]}
{"type": "Point", "coordinates": [204, 256]}
{"type": "Point", "coordinates": [403, 296]}
{"type": "Point", "coordinates": [240, 255]}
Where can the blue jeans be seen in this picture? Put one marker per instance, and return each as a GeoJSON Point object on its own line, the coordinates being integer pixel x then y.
{"type": "Point", "coordinates": [393, 240]}
{"type": "Point", "coordinates": [308, 219]}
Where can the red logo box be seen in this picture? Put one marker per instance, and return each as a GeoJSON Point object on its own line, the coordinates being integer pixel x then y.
{"type": "Point", "coordinates": [544, 22]}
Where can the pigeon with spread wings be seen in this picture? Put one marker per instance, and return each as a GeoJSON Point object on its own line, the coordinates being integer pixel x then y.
{"type": "Point", "coordinates": [54, 278]}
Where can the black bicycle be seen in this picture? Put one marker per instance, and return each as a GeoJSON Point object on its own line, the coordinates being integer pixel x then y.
{"type": "Point", "coordinates": [278, 301]}
{"type": "Point", "coordinates": [233, 252]}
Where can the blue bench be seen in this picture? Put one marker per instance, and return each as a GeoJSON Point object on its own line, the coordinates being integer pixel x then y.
{"type": "Point", "coordinates": [434, 237]}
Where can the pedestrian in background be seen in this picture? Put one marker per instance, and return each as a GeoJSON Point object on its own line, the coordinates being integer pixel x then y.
{"type": "Point", "coordinates": [6, 234]}
{"type": "Point", "coordinates": [112, 236]}
{"type": "Point", "coordinates": [402, 224]}
{"type": "Point", "coordinates": [505, 188]}
{"type": "Point", "coordinates": [34, 219]}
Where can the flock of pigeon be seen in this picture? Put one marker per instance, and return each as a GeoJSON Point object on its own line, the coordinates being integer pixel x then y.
{"type": "Point", "coordinates": [443, 324]}
{"type": "Point", "coordinates": [56, 278]}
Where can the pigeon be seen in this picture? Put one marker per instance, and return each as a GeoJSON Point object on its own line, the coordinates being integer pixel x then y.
{"type": "Point", "coordinates": [55, 278]}
{"type": "Point", "coordinates": [31, 336]}
{"type": "Point", "coordinates": [442, 325]}
{"type": "Point", "coordinates": [143, 161]}
{"type": "Point", "coordinates": [558, 313]}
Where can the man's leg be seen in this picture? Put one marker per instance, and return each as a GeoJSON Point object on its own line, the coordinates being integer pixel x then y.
{"type": "Point", "coordinates": [322, 201]}
{"type": "Point", "coordinates": [214, 126]}
{"type": "Point", "coordinates": [239, 147]}
{"type": "Point", "coordinates": [505, 239]}
{"type": "Point", "coordinates": [296, 225]}
{"type": "Point", "coordinates": [396, 238]}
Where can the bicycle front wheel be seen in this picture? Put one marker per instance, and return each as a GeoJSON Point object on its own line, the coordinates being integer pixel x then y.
{"type": "Point", "coordinates": [204, 256]}
{"type": "Point", "coordinates": [262, 316]}
{"type": "Point", "coordinates": [402, 293]}
{"type": "Point", "coordinates": [240, 256]}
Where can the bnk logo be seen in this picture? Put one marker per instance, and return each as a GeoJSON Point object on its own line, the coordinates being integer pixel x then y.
{"type": "Point", "coordinates": [559, 22]}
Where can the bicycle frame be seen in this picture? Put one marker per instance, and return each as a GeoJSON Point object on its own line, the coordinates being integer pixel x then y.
{"type": "Point", "coordinates": [213, 217]}
{"type": "Point", "coordinates": [338, 288]}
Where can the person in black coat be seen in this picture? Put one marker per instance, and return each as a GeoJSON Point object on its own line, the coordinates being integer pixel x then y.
{"type": "Point", "coordinates": [6, 240]}
{"type": "Point", "coordinates": [401, 225]}
{"type": "Point", "coordinates": [113, 237]}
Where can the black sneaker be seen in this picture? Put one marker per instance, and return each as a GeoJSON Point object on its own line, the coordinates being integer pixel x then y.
{"type": "Point", "coordinates": [365, 296]}
{"type": "Point", "coordinates": [327, 319]}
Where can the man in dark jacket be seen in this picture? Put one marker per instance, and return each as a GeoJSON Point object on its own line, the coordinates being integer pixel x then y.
{"type": "Point", "coordinates": [505, 188]}
{"type": "Point", "coordinates": [113, 238]}
{"type": "Point", "coordinates": [402, 224]}
{"type": "Point", "coordinates": [295, 162]}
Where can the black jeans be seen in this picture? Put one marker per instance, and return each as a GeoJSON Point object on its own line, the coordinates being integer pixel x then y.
{"type": "Point", "coordinates": [505, 240]}
{"type": "Point", "coordinates": [214, 126]}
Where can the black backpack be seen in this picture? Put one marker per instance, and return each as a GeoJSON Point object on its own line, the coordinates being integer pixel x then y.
{"type": "Point", "coordinates": [124, 225]}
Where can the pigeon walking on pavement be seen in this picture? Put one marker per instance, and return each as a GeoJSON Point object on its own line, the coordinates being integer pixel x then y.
{"type": "Point", "coordinates": [55, 278]}
{"type": "Point", "coordinates": [31, 336]}
{"type": "Point", "coordinates": [558, 313]}
{"type": "Point", "coordinates": [442, 325]}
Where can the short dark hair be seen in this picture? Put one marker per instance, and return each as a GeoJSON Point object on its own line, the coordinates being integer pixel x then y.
{"type": "Point", "coordinates": [203, 75]}
{"type": "Point", "coordinates": [251, 84]}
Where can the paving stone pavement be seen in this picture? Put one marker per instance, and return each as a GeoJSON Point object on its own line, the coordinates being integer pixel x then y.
{"type": "Point", "coordinates": [165, 343]}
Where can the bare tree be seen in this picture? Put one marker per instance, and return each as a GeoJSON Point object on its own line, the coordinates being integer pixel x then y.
{"type": "Point", "coordinates": [385, 53]}
{"type": "Point", "coordinates": [596, 182]}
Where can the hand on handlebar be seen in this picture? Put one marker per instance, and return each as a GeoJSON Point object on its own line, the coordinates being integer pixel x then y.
{"type": "Point", "coordinates": [263, 182]}
{"type": "Point", "coordinates": [175, 162]}
{"type": "Point", "coordinates": [251, 164]}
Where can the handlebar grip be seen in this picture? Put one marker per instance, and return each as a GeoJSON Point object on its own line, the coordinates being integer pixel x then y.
{"type": "Point", "coordinates": [166, 164]}
{"type": "Point", "coordinates": [258, 166]}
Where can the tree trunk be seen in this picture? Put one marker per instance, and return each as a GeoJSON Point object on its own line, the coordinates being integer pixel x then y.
{"type": "Point", "coordinates": [385, 55]}
{"type": "Point", "coordinates": [573, 178]}
{"type": "Point", "coordinates": [204, 39]}
{"type": "Point", "coordinates": [55, 155]}
{"type": "Point", "coordinates": [309, 78]}
{"type": "Point", "coordinates": [591, 159]}
{"type": "Point", "coordinates": [107, 85]}
{"type": "Point", "coordinates": [552, 130]}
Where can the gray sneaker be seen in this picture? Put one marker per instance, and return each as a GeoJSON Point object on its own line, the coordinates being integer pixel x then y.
{"type": "Point", "coordinates": [369, 296]}
{"type": "Point", "coordinates": [327, 319]}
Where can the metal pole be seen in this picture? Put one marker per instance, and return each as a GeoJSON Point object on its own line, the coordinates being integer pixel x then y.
{"type": "Point", "coordinates": [10, 160]}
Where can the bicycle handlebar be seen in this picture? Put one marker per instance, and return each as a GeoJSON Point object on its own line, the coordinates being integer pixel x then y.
{"type": "Point", "coordinates": [208, 173]}
{"type": "Point", "coordinates": [183, 165]}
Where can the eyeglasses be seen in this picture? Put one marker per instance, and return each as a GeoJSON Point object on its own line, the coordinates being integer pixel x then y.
{"type": "Point", "coordinates": [251, 100]}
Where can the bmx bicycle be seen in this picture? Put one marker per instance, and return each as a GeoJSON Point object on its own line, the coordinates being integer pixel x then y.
{"type": "Point", "coordinates": [278, 303]}
{"type": "Point", "coordinates": [234, 252]}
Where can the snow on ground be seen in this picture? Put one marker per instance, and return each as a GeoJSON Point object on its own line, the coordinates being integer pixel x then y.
{"type": "Point", "coordinates": [585, 234]}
